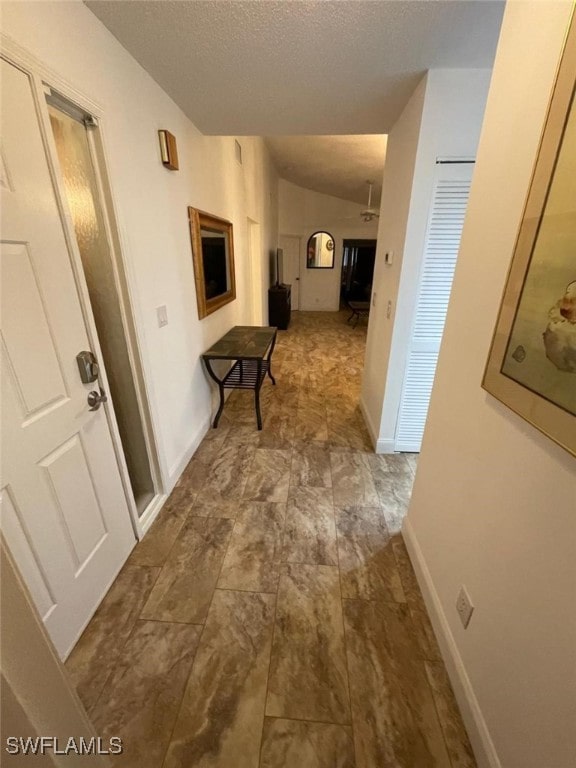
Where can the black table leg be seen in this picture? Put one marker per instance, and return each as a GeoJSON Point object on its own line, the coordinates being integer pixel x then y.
{"type": "Point", "coordinates": [220, 390]}
{"type": "Point", "coordinates": [220, 407]}
{"type": "Point", "coordinates": [257, 393]}
{"type": "Point", "coordinates": [270, 360]}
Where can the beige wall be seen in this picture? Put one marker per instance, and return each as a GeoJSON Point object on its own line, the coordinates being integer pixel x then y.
{"type": "Point", "coordinates": [494, 503]}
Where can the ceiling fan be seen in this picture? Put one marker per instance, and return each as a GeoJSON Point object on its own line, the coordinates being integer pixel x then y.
{"type": "Point", "coordinates": [369, 213]}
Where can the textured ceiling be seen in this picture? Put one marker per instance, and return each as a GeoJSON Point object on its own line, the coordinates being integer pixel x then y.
{"type": "Point", "coordinates": [287, 67]}
{"type": "Point", "coordinates": [335, 165]}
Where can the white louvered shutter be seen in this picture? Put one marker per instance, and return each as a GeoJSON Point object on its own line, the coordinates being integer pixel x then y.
{"type": "Point", "coordinates": [450, 198]}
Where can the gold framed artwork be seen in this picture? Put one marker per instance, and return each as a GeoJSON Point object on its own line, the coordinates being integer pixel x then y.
{"type": "Point", "coordinates": [213, 258]}
{"type": "Point", "coordinates": [531, 367]}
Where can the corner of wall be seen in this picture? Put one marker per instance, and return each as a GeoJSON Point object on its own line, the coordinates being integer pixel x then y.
{"type": "Point", "coordinates": [368, 421]}
{"type": "Point", "coordinates": [397, 185]}
{"type": "Point", "coordinates": [447, 123]}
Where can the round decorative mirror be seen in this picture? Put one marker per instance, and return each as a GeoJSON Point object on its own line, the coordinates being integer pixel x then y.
{"type": "Point", "coordinates": [320, 251]}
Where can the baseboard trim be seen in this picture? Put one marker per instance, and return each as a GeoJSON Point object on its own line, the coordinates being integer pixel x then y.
{"type": "Point", "coordinates": [368, 421]}
{"type": "Point", "coordinates": [152, 511]}
{"type": "Point", "coordinates": [179, 467]}
{"type": "Point", "coordinates": [380, 446]}
{"type": "Point", "coordinates": [386, 446]}
{"type": "Point", "coordinates": [480, 738]}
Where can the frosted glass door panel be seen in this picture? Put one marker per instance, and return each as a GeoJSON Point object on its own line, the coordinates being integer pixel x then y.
{"type": "Point", "coordinates": [89, 225]}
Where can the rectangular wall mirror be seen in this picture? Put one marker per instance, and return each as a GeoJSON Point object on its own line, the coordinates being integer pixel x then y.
{"type": "Point", "coordinates": [213, 257]}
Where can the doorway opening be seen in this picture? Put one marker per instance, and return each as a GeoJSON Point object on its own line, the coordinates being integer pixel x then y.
{"type": "Point", "coordinates": [254, 273]}
{"type": "Point", "coordinates": [86, 190]}
{"type": "Point", "coordinates": [358, 259]}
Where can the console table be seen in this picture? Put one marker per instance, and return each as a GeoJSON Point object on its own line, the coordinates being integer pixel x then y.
{"type": "Point", "coordinates": [249, 348]}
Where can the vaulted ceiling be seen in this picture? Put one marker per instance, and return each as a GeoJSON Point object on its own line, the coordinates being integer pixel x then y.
{"type": "Point", "coordinates": [334, 165]}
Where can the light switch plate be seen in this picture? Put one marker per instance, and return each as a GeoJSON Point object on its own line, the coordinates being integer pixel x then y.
{"type": "Point", "coordinates": [162, 315]}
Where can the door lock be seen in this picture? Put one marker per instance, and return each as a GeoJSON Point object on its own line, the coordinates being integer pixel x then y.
{"type": "Point", "coordinates": [95, 399]}
{"type": "Point", "coordinates": [88, 367]}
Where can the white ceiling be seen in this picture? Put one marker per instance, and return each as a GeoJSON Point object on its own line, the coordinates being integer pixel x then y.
{"type": "Point", "coordinates": [299, 67]}
{"type": "Point", "coordinates": [323, 80]}
{"type": "Point", "coordinates": [335, 165]}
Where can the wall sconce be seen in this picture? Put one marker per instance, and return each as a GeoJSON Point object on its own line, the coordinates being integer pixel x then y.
{"type": "Point", "coordinates": [168, 151]}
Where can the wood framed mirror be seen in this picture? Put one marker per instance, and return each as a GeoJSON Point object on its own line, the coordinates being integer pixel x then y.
{"type": "Point", "coordinates": [213, 258]}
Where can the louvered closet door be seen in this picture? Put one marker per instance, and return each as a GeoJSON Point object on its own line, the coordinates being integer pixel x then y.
{"type": "Point", "coordinates": [449, 201]}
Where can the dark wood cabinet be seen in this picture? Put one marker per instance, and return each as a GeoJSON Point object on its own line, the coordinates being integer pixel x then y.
{"type": "Point", "coordinates": [279, 306]}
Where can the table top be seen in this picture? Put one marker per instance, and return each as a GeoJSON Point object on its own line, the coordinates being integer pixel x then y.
{"type": "Point", "coordinates": [242, 342]}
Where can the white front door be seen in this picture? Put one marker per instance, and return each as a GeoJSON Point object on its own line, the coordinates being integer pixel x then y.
{"type": "Point", "coordinates": [291, 267]}
{"type": "Point", "coordinates": [64, 513]}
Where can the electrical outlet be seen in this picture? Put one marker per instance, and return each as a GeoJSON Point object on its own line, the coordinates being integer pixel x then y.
{"type": "Point", "coordinates": [464, 606]}
{"type": "Point", "coordinates": [389, 257]}
{"type": "Point", "coordinates": [162, 315]}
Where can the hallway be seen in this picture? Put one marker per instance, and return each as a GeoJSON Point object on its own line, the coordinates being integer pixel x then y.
{"type": "Point", "coordinates": [271, 616]}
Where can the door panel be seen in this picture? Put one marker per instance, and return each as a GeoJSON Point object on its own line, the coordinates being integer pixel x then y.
{"type": "Point", "coordinates": [291, 247]}
{"type": "Point", "coordinates": [70, 481]}
{"type": "Point", "coordinates": [27, 334]}
{"type": "Point", "coordinates": [15, 530]}
{"type": "Point", "coordinates": [65, 515]}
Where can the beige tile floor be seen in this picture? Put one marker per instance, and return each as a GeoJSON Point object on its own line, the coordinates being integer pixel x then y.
{"type": "Point", "coordinates": [271, 616]}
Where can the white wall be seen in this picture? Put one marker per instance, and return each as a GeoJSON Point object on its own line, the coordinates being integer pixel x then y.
{"type": "Point", "coordinates": [151, 205]}
{"type": "Point", "coordinates": [303, 212]}
{"type": "Point", "coordinates": [494, 503]}
{"type": "Point", "coordinates": [442, 119]}
{"type": "Point", "coordinates": [394, 210]}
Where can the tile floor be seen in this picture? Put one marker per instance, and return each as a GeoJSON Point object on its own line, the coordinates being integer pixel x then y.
{"type": "Point", "coordinates": [271, 617]}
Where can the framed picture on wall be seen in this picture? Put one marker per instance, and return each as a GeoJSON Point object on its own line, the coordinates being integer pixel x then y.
{"type": "Point", "coordinates": [532, 362]}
